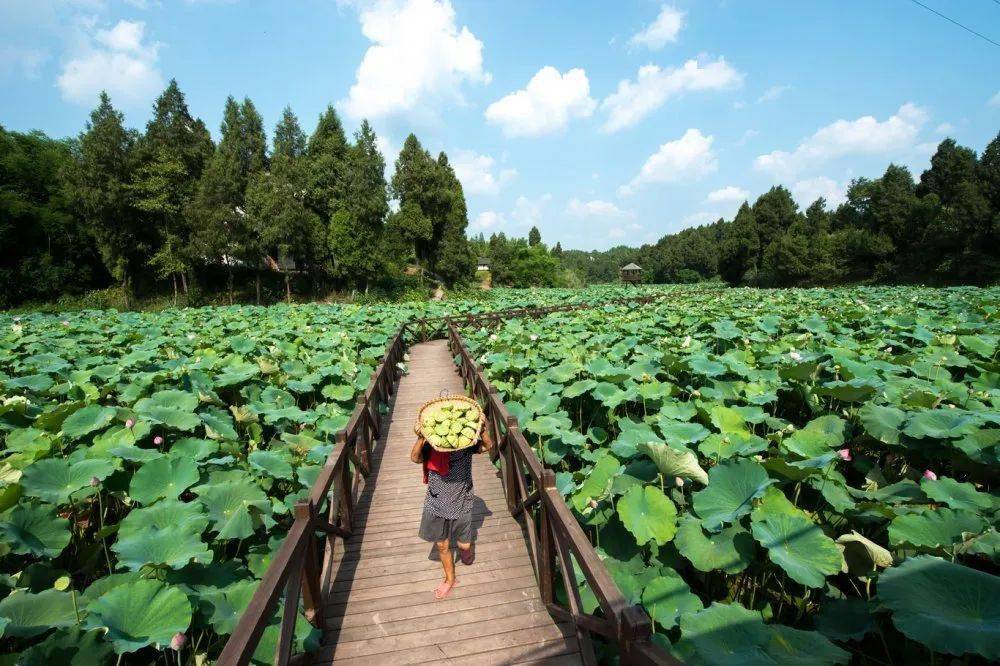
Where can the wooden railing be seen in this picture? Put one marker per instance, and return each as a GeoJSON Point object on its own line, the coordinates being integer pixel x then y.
{"type": "Point", "coordinates": [301, 571]}
{"type": "Point", "coordinates": [554, 535]}
{"type": "Point", "coordinates": [302, 567]}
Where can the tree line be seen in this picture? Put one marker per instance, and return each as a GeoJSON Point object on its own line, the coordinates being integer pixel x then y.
{"type": "Point", "coordinates": [943, 228]}
{"type": "Point", "coordinates": [169, 209]}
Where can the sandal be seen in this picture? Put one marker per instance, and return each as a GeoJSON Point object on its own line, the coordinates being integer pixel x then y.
{"type": "Point", "coordinates": [444, 589]}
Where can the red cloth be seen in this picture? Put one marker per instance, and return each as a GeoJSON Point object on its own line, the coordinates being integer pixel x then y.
{"type": "Point", "coordinates": [437, 462]}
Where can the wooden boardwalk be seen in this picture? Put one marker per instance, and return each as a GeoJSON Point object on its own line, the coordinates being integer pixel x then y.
{"type": "Point", "coordinates": [382, 608]}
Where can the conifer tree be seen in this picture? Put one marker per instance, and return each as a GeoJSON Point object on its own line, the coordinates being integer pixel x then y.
{"type": "Point", "coordinates": [740, 248]}
{"type": "Point", "coordinates": [534, 237]}
{"type": "Point", "coordinates": [327, 158]}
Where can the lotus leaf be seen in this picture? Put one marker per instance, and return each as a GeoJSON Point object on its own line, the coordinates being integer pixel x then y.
{"type": "Point", "coordinates": [957, 495]}
{"type": "Point", "coordinates": [271, 464]}
{"type": "Point", "coordinates": [933, 529]}
{"type": "Point", "coordinates": [33, 529]}
{"type": "Point", "coordinates": [146, 612]}
{"type": "Point", "coordinates": [88, 419]}
{"type": "Point", "coordinates": [31, 614]}
{"type": "Point", "coordinates": [733, 485]}
{"type": "Point", "coordinates": [730, 550]}
{"type": "Point", "coordinates": [847, 619]}
{"type": "Point", "coordinates": [667, 597]}
{"type": "Point", "coordinates": [946, 606]}
{"type": "Point", "coordinates": [54, 480]}
{"type": "Point", "coordinates": [234, 509]}
{"type": "Point", "coordinates": [798, 546]}
{"type": "Point", "coordinates": [165, 477]}
{"type": "Point", "coordinates": [674, 463]}
{"type": "Point", "coordinates": [648, 514]}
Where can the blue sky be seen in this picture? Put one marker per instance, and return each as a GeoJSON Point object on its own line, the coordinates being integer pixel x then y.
{"type": "Point", "coordinates": [600, 122]}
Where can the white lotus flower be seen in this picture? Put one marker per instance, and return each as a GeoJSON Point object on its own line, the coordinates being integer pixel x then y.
{"type": "Point", "coordinates": [533, 337]}
{"type": "Point", "coordinates": [795, 356]}
{"type": "Point", "coordinates": [191, 336]}
{"type": "Point", "coordinates": [687, 342]}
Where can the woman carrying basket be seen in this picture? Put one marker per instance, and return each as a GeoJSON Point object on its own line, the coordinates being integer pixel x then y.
{"type": "Point", "coordinates": [448, 505]}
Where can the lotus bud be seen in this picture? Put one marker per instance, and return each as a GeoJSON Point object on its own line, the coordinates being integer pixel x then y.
{"type": "Point", "coordinates": [845, 454]}
{"type": "Point", "coordinates": [158, 440]}
{"type": "Point", "coordinates": [678, 481]}
{"type": "Point", "coordinates": [65, 323]}
{"type": "Point", "coordinates": [130, 423]}
{"type": "Point", "coordinates": [94, 482]}
{"type": "Point", "coordinates": [593, 504]}
{"type": "Point", "coordinates": [929, 475]}
{"type": "Point", "coordinates": [178, 641]}
{"type": "Point", "coordinates": [533, 337]}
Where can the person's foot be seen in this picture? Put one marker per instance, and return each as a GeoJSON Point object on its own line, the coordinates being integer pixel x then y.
{"type": "Point", "coordinates": [466, 555]}
{"type": "Point", "coordinates": [444, 589]}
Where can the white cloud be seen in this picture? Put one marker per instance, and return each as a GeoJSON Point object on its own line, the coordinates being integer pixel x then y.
{"type": "Point", "coordinates": [863, 136]}
{"type": "Point", "coordinates": [25, 60]}
{"type": "Point", "coordinates": [747, 135]}
{"type": "Point", "coordinates": [773, 93]}
{"type": "Point", "coordinates": [117, 60]}
{"type": "Point", "coordinates": [944, 128]}
{"type": "Point", "coordinates": [528, 212]}
{"type": "Point", "coordinates": [995, 100]}
{"type": "Point", "coordinates": [664, 28]}
{"type": "Point", "coordinates": [729, 194]}
{"type": "Point", "coordinates": [545, 105]}
{"type": "Point", "coordinates": [807, 191]}
{"type": "Point", "coordinates": [418, 58]}
{"type": "Point", "coordinates": [596, 208]}
{"type": "Point", "coordinates": [488, 220]}
{"type": "Point", "coordinates": [634, 100]}
{"type": "Point", "coordinates": [627, 230]}
{"type": "Point", "coordinates": [476, 172]}
{"type": "Point", "coordinates": [688, 158]}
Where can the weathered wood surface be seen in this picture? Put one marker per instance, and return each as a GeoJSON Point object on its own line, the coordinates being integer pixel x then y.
{"type": "Point", "coordinates": [381, 608]}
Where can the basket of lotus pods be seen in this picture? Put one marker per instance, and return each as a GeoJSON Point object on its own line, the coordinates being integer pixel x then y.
{"type": "Point", "coordinates": [450, 423]}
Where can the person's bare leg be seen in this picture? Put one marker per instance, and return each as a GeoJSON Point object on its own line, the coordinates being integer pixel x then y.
{"type": "Point", "coordinates": [465, 552]}
{"type": "Point", "coordinates": [444, 550]}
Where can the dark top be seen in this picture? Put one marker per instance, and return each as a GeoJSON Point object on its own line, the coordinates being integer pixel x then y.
{"type": "Point", "coordinates": [450, 496]}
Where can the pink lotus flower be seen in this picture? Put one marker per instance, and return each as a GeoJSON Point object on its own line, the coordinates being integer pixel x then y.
{"type": "Point", "coordinates": [129, 423]}
{"type": "Point", "coordinates": [929, 475]}
{"type": "Point", "coordinates": [157, 440]}
{"type": "Point", "coordinates": [845, 454]}
{"type": "Point", "coordinates": [178, 641]}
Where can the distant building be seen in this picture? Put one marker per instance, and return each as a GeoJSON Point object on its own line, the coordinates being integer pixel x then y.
{"type": "Point", "coordinates": [631, 273]}
{"type": "Point", "coordinates": [483, 264]}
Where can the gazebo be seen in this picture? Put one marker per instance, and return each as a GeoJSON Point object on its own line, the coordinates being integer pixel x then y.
{"type": "Point", "coordinates": [631, 273]}
{"type": "Point", "coordinates": [483, 264]}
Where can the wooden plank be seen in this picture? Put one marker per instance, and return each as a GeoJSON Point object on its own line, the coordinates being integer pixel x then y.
{"type": "Point", "coordinates": [432, 608]}
{"type": "Point", "coordinates": [406, 575]}
{"type": "Point", "coordinates": [404, 600]}
{"type": "Point", "coordinates": [557, 652]}
{"type": "Point", "coordinates": [421, 587]}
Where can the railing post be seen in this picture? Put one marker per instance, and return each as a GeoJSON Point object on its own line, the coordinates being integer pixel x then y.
{"type": "Point", "coordinates": [312, 598]}
{"type": "Point", "coordinates": [512, 466]}
{"type": "Point", "coordinates": [546, 568]}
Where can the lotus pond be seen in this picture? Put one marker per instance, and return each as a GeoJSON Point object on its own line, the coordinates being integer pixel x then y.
{"type": "Point", "coordinates": [792, 477]}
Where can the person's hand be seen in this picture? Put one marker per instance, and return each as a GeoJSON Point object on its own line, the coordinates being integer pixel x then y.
{"type": "Point", "coordinates": [487, 442]}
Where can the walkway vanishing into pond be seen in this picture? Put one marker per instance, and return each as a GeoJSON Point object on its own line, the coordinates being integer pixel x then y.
{"type": "Point", "coordinates": [382, 609]}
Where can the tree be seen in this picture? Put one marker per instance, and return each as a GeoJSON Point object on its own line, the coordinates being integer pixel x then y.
{"type": "Point", "coordinates": [171, 156]}
{"type": "Point", "coordinates": [774, 212]}
{"type": "Point", "coordinates": [454, 261]}
{"type": "Point", "coordinates": [557, 251]}
{"type": "Point", "coordinates": [356, 228]}
{"type": "Point", "coordinates": [289, 232]}
{"type": "Point", "coordinates": [951, 165]}
{"type": "Point", "coordinates": [327, 156]}
{"type": "Point", "coordinates": [407, 230]}
{"type": "Point", "coordinates": [534, 237]}
{"type": "Point", "coordinates": [739, 249]}
{"type": "Point", "coordinates": [102, 179]}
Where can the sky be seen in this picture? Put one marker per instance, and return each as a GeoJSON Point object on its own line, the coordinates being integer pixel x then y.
{"type": "Point", "coordinates": [601, 123]}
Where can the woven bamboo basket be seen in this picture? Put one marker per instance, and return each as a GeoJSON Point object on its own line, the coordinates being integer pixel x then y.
{"type": "Point", "coordinates": [418, 427]}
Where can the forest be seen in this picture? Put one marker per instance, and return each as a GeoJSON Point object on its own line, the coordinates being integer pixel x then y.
{"type": "Point", "coordinates": [169, 211]}
{"type": "Point", "coordinates": [116, 214]}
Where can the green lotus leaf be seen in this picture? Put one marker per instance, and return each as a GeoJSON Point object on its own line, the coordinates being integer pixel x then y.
{"type": "Point", "coordinates": [933, 529]}
{"type": "Point", "coordinates": [648, 514]}
{"type": "Point", "coordinates": [626, 445]}
{"type": "Point", "coordinates": [165, 477]}
{"type": "Point", "coordinates": [194, 449]}
{"type": "Point", "coordinates": [881, 422]}
{"type": "Point", "coordinates": [270, 463]}
{"type": "Point", "coordinates": [103, 585]}
{"type": "Point", "coordinates": [218, 424]}
{"type": "Point", "coordinates": [773, 502]}
{"type": "Point", "coordinates": [31, 614]}
{"type": "Point", "coordinates": [135, 453]}
{"type": "Point", "coordinates": [170, 407]}
{"type": "Point", "coordinates": [53, 480]}
{"type": "Point", "coordinates": [225, 606]}
{"type": "Point", "coordinates": [942, 424]}
{"type": "Point", "coordinates": [68, 647]}
{"type": "Point", "coordinates": [987, 544]}
{"type": "Point", "coordinates": [578, 388]}
{"type": "Point", "coordinates": [817, 437]}
{"type": "Point", "coordinates": [672, 462]}
{"type": "Point", "coordinates": [722, 446]}
{"type": "Point", "coordinates": [728, 420]}
{"type": "Point", "coordinates": [798, 546]}
{"type": "Point", "coordinates": [733, 485]}
{"type": "Point", "coordinates": [146, 612]}
{"type": "Point", "coordinates": [235, 510]}
{"type": "Point", "coordinates": [172, 547]}
{"type": "Point", "coordinates": [667, 597]}
{"type": "Point", "coordinates": [730, 550]}
{"type": "Point", "coordinates": [725, 634]}
{"type": "Point", "coordinates": [794, 647]}
{"type": "Point", "coordinates": [946, 606]}
{"type": "Point", "coordinates": [163, 515]}
{"type": "Point", "coordinates": [88, 419]}
{"type": "Point", "coordinates": [956, 494]}
{"type": "Point", "coordinates": [847, 619]}
{"type": "Point", "coordinates": [862, 556]}
{"type": "Point", "coordinates": [32, 529]}
{"type": "Point", "coordinates": [37, 383]}
{"type": "Point", "coordinates": [682, 433]}
{"type": "Point", "coordinates": [597, 483]}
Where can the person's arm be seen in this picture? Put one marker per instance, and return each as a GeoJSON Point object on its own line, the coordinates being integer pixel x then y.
{"type": "Point", "coordinates": [417, 452]}
{"type": "Point", "coordinates": [487, 440]}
